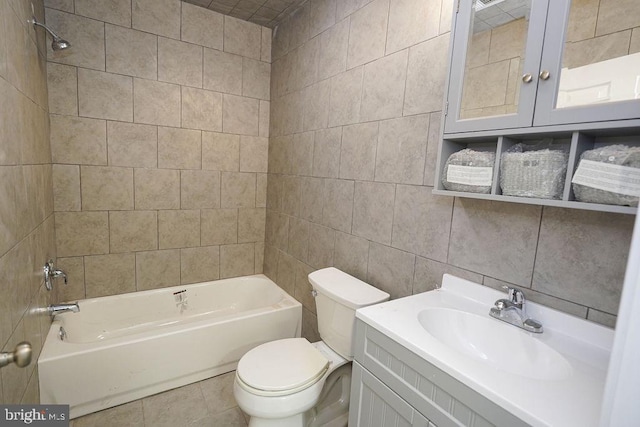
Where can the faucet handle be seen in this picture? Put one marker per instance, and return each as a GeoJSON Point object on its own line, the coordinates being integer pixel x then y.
{"type": "Point", "coordinates": [516, 296]}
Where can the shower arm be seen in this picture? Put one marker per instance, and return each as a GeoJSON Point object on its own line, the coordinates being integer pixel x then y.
{"type": "Point", "coordinates": [35, 22]}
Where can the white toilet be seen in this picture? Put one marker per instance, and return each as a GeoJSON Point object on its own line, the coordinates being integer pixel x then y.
{"type": "Point", "coordinates": [293, 383]}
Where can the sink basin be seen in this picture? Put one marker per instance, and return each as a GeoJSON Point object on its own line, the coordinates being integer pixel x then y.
{"type": "Point", "coordinates": [504, 347]}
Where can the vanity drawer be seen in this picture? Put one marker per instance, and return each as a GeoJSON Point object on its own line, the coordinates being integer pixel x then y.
{"type": "Point", "coordinates": [445, 401]}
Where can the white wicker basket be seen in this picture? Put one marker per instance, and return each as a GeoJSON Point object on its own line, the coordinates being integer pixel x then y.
{"type": "Point", "coordinates": [539, 174]}
{"type": "Point", "coordinates": [475, 171]}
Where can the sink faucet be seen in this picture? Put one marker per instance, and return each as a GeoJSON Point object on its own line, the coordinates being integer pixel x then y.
{"type": "Point", "coordinates": [512, 310]}
{"type": "Point", "coordinates": [63, 308]}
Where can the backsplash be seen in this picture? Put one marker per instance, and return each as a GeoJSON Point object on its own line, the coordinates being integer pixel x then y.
{"type": "Point", "coordinates": [357, 91]}
{"type": "Point", "coordinates": [159, 127]}
{"type": "Point", "coordinates": [26, 195]}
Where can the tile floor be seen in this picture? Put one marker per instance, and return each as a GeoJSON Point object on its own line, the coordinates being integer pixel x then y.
{"type": "Point", "coordinates": [207, 403]}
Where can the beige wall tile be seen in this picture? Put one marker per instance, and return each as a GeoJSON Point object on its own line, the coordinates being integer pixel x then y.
{"type": "Point", "coordinates": [485, 86]}
{"type": "Point", "coordinates": [157, 269]}
{"type": "Point", "coordinates": [583, 17]}
{"type": "Point", "coordinates": [346, 95]}
{"type": "Point", "coordinates": [428, 274]}
{"type": "Point", "coordinates": [265, 48]}
{"type": "Point", "coordinates": [131, 52]}
{"type": "Point", "coordinates": [391, 270]}
{"type": "Point", "coordinates": [333, 50]}
{"type": "Point", "coordinates": [114, 11]}
{"type": "Point", "coordinates": [10, 129]}
{"type": "Point", "coordinates": [358, 152]}
{"type": "Point", "coordinates": [321, 244]}
{"type": "Point", "coordinates": [256, 77]}
{"type": "Point", "coordinates": [14, 381]}
{"type": "Point", "coordinates": [477, 242]}
{"type": "Point", "coordinates": [62, 85]}
{"type": "Point", "coordinates": [261, 190]}
{"type": "Point", "coordinates": [66, 187]}
{"type": "Point", "coordinates": [322, 15]}
{"type": "Point", "coordinates": [179, 62]}
{"type": "Point", "coordinates": [199, 264]}
{"type": "Point", "coordinates": [179, 148]}
{"type": "Point", "coordinates": [81, 233]}
{"type": "Point", "coordinates": [508, 40]}
{"type": "Point", "coordinates": [106, 188]}
{"type": "Point", "coordinates": [8, 209]}
{"type": "Point", "coordinates": [426, 74]}
{"type": "Point", "coordinates": [291, 195]}
{"type": "Point", "coordinates": [412, 22]}
{"type": "Point", "coordinates": [110, 274]}
{"type": "Point", "coordinates": [220, 151]}
{"type": "Point", "coordinates": [66, 5]}
{"type": "Point", "coordinates": [131, 231]}
{"type": "Point", "coordinates": [236, 260]}
{"type": "Point", "coordinates": [157, 189]}
{"type": "Point", "coordinates": [326, 152]}
{"type": "Point", "coordinates": [286, 272]}
{"type": "Point", "coordinates": [240, 115]}
{"type": "Point", "coordinates": [160, 17]}
{"type": "Point", "coordinates": [277, 230]}
{"type": "Point", "coordinates": [238, 190]}
{"type": "Point", "coordinates": [302, 153]}
{"type": "Point", "coordinates": [178, 229]}
{"type": "Point", "coordinates": [597, 49]}
{"type": "Point", "coordinates": [316, 108]}
{"type": "Point", "coordinates": [201, 26]}
{"type": "Point", "coordinates": [105, 95]}
{"type": "Point", "coordinates": [87, 36]}
{"type": "Point", "coordinates": [199, 189]}
{"type": "Point", "coordinates": [307, 57]}
{"type": "Point", "coordinates": [352, 255]}
{"type": "Point", "coordinates": [156, 103]}
{"type": "Point", "coordinates": [222, 72]}
{"type": "Point", "coordinates": [422, 222]}
{"type": "Point", "coordinates": [373, 211]}
{"type": "Point", "coordinates": [634, 47]}
{"type": "Point", "coordinates": [337, 210]}
{"type": "Point", "coordinates": [78, 140]}
{"type": "Point", "coordinates": [219, 226]}
{"type": "Point", "coordinates": [74, 289]}
{"type": "Point", "coordinates": [367, 34]}
{"type": "Point", "coordinates": [253, 154]}
{"type": "Point", "coordinates": [299, 26]}
{"type": "Point", "coordinates": [383, 86]}
{"type": "Point", "coordinates": [591, 269]}
{"type": "Point", "coordinates": [263, 120]}
{"type": "Point", "coordinates": [298, 238]}
{"type": "Point", "coordinates": [202, 109]}
{"type": "Point", "coordinates": [242, 38]}
{"type": "Point", "coordinates": [432, 148]}
{"type": "Point", "coordinates": [402, 147]}
{"type": "Point", "coordinates": [602, 318]}
{"type": "Point", "coordinates": [616, 15]}
{"type": "Point", "coordinates": [251, 225]}
{"type": "Point", "coordinates": [132, 145]}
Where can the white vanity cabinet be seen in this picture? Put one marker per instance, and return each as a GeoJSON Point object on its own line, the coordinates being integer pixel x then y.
{"type": "Point", "coordinates": [392, 386]}
{"type": "Point", "coordinates": [559, 72]}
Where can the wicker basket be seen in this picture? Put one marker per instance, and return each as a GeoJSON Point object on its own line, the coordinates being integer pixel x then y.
{"type": "Point", "coordinates": [473, 161]}
{"type": "Point", "coordinates": [539, 174]}
{"type": "Point", "coordinates": [616, 155]}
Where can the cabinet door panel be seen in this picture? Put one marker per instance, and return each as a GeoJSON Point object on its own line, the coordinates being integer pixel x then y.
{"type": "Point", "coordinates": [496, 44]}
{"type": "Point", "coordinates": [592, 56]}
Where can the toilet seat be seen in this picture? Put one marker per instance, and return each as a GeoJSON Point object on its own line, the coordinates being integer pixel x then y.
{"type": "Point", "coordinates": [281, 367]}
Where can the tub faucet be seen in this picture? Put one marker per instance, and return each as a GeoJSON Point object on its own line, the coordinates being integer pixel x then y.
{"type": "Point", "coordinates": [513, 311]}
{"type": "Point", "coordinates": [63, 308]}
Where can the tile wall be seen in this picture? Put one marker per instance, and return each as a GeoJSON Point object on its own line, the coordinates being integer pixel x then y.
{"type": "Point", "coordinates": [357, 89]}
{"type": "Point", "coordinates": [159, 138]}
{"type": "Point", "coordinates": [26, 195]}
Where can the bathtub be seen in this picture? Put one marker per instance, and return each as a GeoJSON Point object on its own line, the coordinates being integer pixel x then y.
{"type": "Point", "coordinates": [124, 347]}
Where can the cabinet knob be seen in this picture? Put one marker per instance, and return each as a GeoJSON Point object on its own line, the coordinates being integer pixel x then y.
{"type": "Point", "coordinates": [527, 78]}
{"type": "Point", "coordinates": [544, 74]}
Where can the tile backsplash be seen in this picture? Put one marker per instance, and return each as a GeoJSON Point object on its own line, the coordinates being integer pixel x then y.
{"type": "Point", "coordinates": [356, 99]}
{"type": "Point", "coordinates": [159, 126]}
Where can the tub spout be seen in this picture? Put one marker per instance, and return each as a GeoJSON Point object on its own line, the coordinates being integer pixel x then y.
{"type": "Point", "coordinates": [63, 308]}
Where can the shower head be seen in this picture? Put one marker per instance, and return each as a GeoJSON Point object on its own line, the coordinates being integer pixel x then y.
{"type": "Point", "coordinates": [58, 43]}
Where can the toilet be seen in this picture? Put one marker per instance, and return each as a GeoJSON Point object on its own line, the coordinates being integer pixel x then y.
{"type": "Point", "coordinates": [295, 383]}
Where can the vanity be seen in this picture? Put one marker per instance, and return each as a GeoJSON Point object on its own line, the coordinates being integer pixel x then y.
{"type": "Point", "coordinates": [438, 359]}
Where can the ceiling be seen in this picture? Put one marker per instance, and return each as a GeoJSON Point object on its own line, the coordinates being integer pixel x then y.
{"type": "Point", "coordinates": [262, 12]}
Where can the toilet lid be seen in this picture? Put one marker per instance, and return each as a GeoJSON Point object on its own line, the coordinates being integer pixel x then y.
{"type": "Point", "coordinates": [287, 364]}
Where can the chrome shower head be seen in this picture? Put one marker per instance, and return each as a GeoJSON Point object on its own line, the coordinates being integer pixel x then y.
{"type": "Point", "coordinates": [58, 43]}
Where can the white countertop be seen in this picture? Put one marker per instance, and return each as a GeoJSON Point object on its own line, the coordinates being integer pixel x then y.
{"type": "Point", "coordinates": [573, 400]}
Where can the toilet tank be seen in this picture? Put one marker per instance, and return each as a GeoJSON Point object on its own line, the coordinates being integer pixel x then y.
{"type": "Point", "coordinates": [338, 296]}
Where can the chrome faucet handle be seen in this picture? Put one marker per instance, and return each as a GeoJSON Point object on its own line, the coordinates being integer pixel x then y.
{"type": "Point", "coordinates": [515, 295]}
{"type": "Point", "coordinates": [50, 273]}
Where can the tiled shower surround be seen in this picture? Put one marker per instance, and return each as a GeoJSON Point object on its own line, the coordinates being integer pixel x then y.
{"type": "Point", "coordinates": [356, 99]}
{"type": "Point", "coordinates": [159, 125]}
{"type": "Point", "coordinates": [158, 166]}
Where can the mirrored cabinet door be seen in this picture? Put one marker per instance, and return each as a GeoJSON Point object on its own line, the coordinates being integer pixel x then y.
{"type": "Point", "coordinates": [590, 69]}
{"type": "Point", "coordinates": [495, 63]}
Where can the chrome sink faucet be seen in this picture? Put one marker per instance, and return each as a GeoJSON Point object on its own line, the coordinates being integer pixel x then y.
{"type": "Point", "coordinates": [513, 311]}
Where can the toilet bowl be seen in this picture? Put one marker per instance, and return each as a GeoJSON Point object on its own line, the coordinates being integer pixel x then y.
{"type": "Point", "coordinates": [294, 383]}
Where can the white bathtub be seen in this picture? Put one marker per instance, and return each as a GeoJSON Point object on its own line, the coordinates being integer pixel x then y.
{"type": "Point", "coordinates": [124, 347]}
